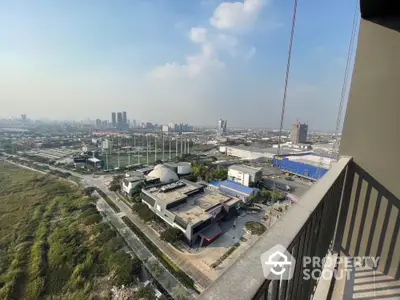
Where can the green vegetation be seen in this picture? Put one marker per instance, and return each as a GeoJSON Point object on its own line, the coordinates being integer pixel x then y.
{"type": "Point", "coordinates": [171, 235]}
{"type": "Point", "coordinates": [265, 196]}
{"type": "Point", "coordinates": [225, 255]}
{"type": "Point", "coordinates": [168, 264]}
{"type": "Point", "coordinates": [53, 244]}
{"type": "Point", "coordinates": [209, 173]}
{"type": "Point", "coordinates": [146, 292]}
{"type": "Point", "coordinates": [255, 227]}
{"type": "Point", "coordinates": [271, 195]}
{"type": "Point", "coordinates": [115, 184]}
{"type": "Point", "coordinates": [143, 211]}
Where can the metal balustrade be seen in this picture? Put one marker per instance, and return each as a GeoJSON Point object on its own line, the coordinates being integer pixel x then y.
{"type": "Point", "coordinates": [336, 214]}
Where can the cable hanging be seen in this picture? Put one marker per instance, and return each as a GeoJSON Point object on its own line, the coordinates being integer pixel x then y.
{"type": "Point", "coordinates": [335, 147]}
{"type": "Point", "coordinates": [287, 75]}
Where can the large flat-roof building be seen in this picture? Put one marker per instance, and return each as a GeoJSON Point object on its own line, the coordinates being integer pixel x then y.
{"type": "Point", "coordinates": [245, 175]}
{"type": "Point", "coordinates": [251, 153]}
{"type": "Point", "coordinates": [234, 189]}
{"type": "Point", "coordinates": [190, 207]}
{"type": "Point", "coordinates": [307, 165]}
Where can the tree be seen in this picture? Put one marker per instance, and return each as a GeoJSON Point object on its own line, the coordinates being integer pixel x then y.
{"type": "Point", "coordinates": [114, 187]}
{"type": "Point", "coordinates": [146, 292]}
{"type": "Point", "coordinates": [171, 235]}
{"type": "Point", "coordinates": [221, 174]}
{"type": "Point", "coordinates": [88, 190]}
{"type": "Point", "coordinates": [180, 293]}
{"type": "Point", "coordinates": [136, 266]}
{"type": "Point", "coordinates": [266, 194]}
{"type": "Point", "coordinates": [198, 170]}
{"type": "Point", "coordinates": [143, 211]}
{"type": "Point", "coordinates": [155, 268]}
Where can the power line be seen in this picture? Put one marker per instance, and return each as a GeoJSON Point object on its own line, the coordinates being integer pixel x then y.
{"type": "Point", "coordinates": [287, 74]}
{"type": "Point", "coordinates": [350, 51]}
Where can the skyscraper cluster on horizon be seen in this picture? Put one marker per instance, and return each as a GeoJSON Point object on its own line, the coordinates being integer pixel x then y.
{"type": "Point", "coordinates": [119, 120]}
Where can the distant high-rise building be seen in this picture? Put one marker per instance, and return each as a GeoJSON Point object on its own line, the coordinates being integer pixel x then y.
{"type": "Point", "coordinates": [98, 123]}
{"type": "Point", "coordinates": [221, 130]}
{"type": "Point", "coordinates": [23, 117]}
{"type": "Point", "coordinates": [120, 120]}
{"type": "Point", "coordinates": [104, 124]}
{"type": "Point", "coordinates": [133, 123]}
{"type": "Point", "coordinates": [299, 133]}
{"type": "Point", "coordinates": [114, 119]}
{"type": "Point", "coordinates": [124, 119]}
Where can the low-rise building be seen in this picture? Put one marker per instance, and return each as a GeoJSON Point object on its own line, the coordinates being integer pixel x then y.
{"type": "Point", "coordinates": [131, 185]}
{"type": "Point", "coordinates": [191, 208]}
{"type": "Point", "coordinates": [233, 189]}
{"type": "Point", "coordinates": [245, 175]}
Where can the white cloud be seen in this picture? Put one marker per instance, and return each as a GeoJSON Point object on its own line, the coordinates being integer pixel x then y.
{"type": "Point", "coordinates": [211, 45]}
{"type": "Point", "coordinates": [236, 15]}
{"type": "Point", "coordinates": [213, 42]}
{"type": "Point", "coordinates": [198, 35]}
{"type": "Point", "coordinates": [194, 65]}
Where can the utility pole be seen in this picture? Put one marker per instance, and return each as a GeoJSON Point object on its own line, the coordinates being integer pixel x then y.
{"type": "Point", "coordinates": [118, 150]}
{"type": "Point", "coordinates": [163, 147]}
{"type": "Point", "coordinates": [189, 147]}
{"type": "Point", "coordinates": [176, 146]}
{"type": "Point", "coordinates": [181, 146]}
{"type": "Point", "coordinates": [170, 149]}
{"type": "Point", "coordinates": [138, 158]}
{"type": "Point", "coordinates": [107, 160]}
{"type": "Point", "coordinates": [134, 145]}
{"type": "Point", "coordinates": [155, 148]}
{"type": "Point", "coordinates": [184, 151]}
{"type": "Point", "coordinates": [147, 143]}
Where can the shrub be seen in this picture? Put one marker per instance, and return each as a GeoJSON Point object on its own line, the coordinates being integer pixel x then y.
{"type": "Point", "coordinates": [143, 211]}
{"type": "Point", "coordinates": [171, 235]}
{"type": "Point", "coordinates": [255, 228]}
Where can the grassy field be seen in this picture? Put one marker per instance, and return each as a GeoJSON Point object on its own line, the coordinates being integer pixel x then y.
{"type": "Point", "coordinates": [53, 243]}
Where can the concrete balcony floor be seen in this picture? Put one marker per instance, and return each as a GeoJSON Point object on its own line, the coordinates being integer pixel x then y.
{"type": "Point", "coordinates": [365, 284]}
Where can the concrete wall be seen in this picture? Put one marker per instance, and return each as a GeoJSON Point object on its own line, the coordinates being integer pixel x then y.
{"type": "Point", "coordinates": [371, 128]}
{"type": "Point", "coordinates": [371, 135]}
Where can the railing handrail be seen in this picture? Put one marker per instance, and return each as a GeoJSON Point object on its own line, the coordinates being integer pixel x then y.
{"type": "Point", "coordinates": [243, 278]}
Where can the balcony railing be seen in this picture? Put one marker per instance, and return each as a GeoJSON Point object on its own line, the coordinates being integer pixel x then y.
{"type": "Point", "coordinates": [329, 217]}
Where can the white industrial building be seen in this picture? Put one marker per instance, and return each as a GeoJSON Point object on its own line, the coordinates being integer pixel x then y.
{"type": "Point", "coordinates": [251, 153]}
{"type": "Point", "coordinates": [244, 175]}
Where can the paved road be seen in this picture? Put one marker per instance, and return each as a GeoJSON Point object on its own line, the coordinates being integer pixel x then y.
{"type": "Point", "coordinates": [182, 260]}
{"type": "Point", "coordinates": [166, 279]}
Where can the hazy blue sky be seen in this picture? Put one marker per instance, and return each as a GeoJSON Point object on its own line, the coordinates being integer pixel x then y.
{"type": "Point", "coordinates": [173, 60]}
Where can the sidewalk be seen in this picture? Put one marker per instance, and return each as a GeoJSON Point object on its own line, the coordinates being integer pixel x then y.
{"type": "Point", "coordinates": [166, 279]}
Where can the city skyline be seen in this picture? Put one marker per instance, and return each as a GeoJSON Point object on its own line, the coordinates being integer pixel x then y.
{"type": "Point", "coordinates": [195, 61]}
